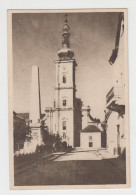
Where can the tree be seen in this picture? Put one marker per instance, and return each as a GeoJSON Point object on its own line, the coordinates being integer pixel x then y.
{"type": "Point", "coordinates": [44, 131]}
{"type": "Point", "coordinates": [58, 142]}
{"type": "Point", "coordinates": [52, 142]}
{"type": "Point", "coordinates": [21, 132]}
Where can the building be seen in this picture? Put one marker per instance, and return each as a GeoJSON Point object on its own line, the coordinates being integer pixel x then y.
{"type": "Point", "coordinates": [115, 99]}
{"type": "Point", "coordinates": [65, 116]}
{"type": "Point", "coordinates": [68, 116]}
{"type": "Point", "coordinates": [19, 127]}
{"type": "Point", "coordinates": [91, 137]}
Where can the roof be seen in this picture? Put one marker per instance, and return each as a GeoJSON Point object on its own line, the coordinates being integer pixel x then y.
{"type": "Point", "coordinates": [90, 128]}
{"type": "Point", "coordinates": [23, 115]}
{"type": "Point", "coordinates": [26, 115]}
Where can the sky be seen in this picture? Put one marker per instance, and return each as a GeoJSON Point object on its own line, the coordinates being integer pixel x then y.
{"type": "Point", "coordinates": [36, 39]}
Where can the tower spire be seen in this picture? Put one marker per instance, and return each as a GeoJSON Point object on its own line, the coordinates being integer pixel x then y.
{"type": "Point", "coordinates": [66, 28]}
{"type": "Point", "coordinates": [66, 18]}
{"type": "Point", "coordinates": [65, 52]}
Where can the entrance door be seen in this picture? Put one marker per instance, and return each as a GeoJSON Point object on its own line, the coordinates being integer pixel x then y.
{"type": "Point", "coordinates": [90, 144]}
{"type": "Point", "coordinates": [90, 141]}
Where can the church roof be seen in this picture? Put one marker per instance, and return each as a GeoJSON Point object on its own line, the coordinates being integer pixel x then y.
{"type": "Point", "coordinates": [90, 128]}
{"type": "Point", "coordinates": [65, 53]}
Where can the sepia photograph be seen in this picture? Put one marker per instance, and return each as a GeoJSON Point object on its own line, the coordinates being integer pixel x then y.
{"type": "Point", "coordinates": [68, 99]}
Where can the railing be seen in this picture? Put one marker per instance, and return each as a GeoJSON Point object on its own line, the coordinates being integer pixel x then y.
{"type": "Point", "coordinates": [110, 95]}
{"type": "Point", "coordinates": [117, 94]}
{"type": "Point", "coordinates": [63, 87]}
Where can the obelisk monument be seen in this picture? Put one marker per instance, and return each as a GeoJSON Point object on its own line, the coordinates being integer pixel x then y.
{"type": "Point", "coordinates": [35, 110]}
{"type": "Point", "coordinates": [35, 102]}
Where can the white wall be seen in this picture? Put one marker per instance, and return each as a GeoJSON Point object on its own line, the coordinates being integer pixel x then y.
{"type": "Point", "coordinates": [96, 137]}
{"type": "Point", "coordinates": [113, 121]}
{"type": "Point", "coordinates": [65, 68]}
{"type": "Point", "coordinates": [68, 117]}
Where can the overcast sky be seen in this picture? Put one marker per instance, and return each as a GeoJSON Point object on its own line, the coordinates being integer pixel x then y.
{"type": "Point", "coordinates": [36, 41]}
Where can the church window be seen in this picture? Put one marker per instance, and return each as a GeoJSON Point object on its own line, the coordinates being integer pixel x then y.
{"type": "Point", "coordinates": [64, 79]}
{"type": "Point", "coordinates": [64, 125]}
{"type": "Point", "coordinates": [90, 141]}
{"type": "Point", "coordinates": [64, 102]}
{"type": "Point", "coordinates": [64, 135]}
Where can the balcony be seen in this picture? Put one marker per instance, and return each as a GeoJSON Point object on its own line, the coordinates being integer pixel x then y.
{"type": "Point", "coordinates": [65, 87]}
{"type": "Point", "coordinates": [110, 95]}
{"type": "Point", "coordinates": [115, 99]}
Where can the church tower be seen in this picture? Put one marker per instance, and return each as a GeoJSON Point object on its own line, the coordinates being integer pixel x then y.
{"type": "Point", "coordinates": [65, 90]}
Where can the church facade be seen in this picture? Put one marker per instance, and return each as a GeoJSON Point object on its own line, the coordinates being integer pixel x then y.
{"type": "Point", "coordinates": [65, 116]}
{"type": "Point", "coordinates": [68, 116]}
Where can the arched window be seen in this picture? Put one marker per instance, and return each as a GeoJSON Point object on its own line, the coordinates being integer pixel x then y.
{"type": "Point", "coordinates": [64, 102]}
{"type": "Point", "coordinates": [64, 125]}
{"type": "Point", "coordinates": [64, 135]}
{"type": "Point", "coordinates": [64, 79]}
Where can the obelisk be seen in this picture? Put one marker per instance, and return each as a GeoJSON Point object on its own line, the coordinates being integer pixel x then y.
{"type": "Point", "coordinates": [35, 102]}
{"type": "Point", "coordinates": [35, 110]}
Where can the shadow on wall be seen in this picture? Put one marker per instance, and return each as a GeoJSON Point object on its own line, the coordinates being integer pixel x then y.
{"type": "Point", "coordinates": [103, 139]}
{"type": "Point", "coordinates": [77, 121]}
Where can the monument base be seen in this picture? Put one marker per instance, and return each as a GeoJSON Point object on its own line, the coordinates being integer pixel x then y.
{"type": "Point", "coordinates": [36, 139]}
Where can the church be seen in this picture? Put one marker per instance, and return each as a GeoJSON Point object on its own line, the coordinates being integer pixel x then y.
{"type": "Point", "coordinates": [68, 117]}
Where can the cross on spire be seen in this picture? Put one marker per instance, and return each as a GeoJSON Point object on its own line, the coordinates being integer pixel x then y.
{"type": "Point", "coordinates": [66, 27]}
{"type": "Point", "coordinates": [65, 52]}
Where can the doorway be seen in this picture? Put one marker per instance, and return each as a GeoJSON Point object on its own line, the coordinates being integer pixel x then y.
{"type": "Point", "coordinates": [90, 144]}
{"type": "Point", "coordinates": [90, 141]}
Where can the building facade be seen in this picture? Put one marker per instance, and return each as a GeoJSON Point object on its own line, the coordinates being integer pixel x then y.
{"type": "Point", "coordinates": [65, 116]}
{"type": "Point", "coordinates": [91, 137]}
{"type": "Point", "coordinates": [19, 126]}
{"type": "Point", "coordinates": [115, 99]}
{"type": "Point", "coordinates": [68, 116]}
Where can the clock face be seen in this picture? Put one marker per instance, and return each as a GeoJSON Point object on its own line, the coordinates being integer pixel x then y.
{"type": "Point", "coordinates": [64, 69]}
